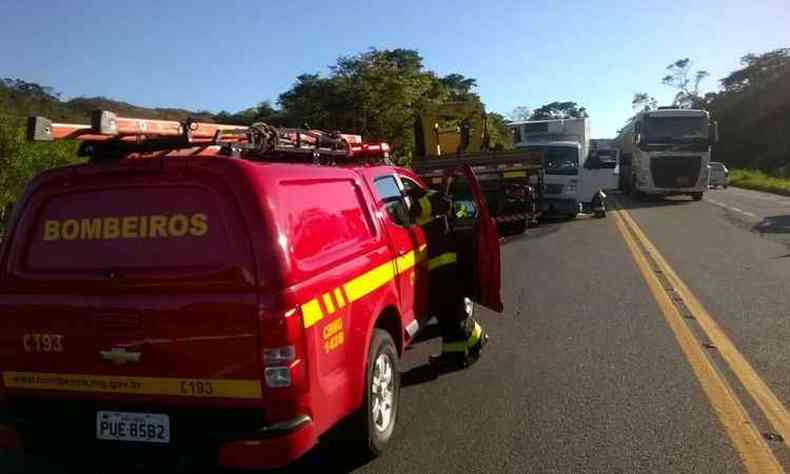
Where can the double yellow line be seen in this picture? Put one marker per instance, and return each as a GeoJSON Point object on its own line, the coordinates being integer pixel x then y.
{"type": "Point", "coordinates": [747, 440]}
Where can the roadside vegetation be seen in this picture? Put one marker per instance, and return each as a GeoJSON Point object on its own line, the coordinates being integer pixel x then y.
{"type": "Point", "coordinates": [378, 93]}
{"type": "Point", "coordinates": [759, 181]}
{"type": "Point", "coordinates": [752, 108]}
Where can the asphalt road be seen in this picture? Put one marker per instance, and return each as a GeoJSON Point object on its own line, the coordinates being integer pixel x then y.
{"type": "Point", "coordinates": [585, 374]}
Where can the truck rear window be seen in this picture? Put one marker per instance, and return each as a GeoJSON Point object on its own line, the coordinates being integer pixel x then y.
{"type": "Point", "coordinates": [135, 228]}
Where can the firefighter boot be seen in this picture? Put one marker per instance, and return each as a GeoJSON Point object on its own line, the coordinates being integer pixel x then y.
{"type": "Point", "coordinates": [462, 352]}
{"type": "Point", "coordinates": [476, 341]}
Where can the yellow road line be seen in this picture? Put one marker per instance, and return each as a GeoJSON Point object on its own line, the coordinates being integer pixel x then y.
{"type": "Point", "coordinates": [757, 457]}
{"type": "Point", "coordinates": [769, 403]}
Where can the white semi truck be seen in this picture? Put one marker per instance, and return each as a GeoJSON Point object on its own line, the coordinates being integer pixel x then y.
{"type": "Point", "coordinates": [574, 180]}
{"type": "Point", "coordinates": [666, 152]}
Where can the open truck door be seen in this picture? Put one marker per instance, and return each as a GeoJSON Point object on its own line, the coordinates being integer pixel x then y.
{"type": "Point", "coordinates": [476, 234]}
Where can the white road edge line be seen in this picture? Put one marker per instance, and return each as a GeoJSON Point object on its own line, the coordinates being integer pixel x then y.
{"type": "Point", "coordinates": [731, 208]}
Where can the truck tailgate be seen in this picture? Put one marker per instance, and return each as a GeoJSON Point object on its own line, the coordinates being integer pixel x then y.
{"type": "Point", "coordinates": [131, 285]}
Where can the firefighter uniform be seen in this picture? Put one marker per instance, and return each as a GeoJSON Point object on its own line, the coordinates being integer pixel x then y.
{"type": "Point", "coordinates": [462, 336]}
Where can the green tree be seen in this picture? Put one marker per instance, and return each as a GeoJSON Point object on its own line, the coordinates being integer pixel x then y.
{"type": "Point", "coordinates": [21, 160]}
{"type": "Point", "coordinates": [687, 83]}
{"type": "Point", "coordinates": [377, 94]}
{"type": "Point", "coordinates": [643, 101]}
{"type": "Point", "coordinates": [499, 136]}
{"type": "Point", "coordinates": [559, 110]}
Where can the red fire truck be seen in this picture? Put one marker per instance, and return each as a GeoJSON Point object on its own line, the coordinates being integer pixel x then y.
{"type": "Point", "coordinates": [229, 290]}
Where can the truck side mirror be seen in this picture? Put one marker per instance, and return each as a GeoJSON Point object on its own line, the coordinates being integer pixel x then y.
{"type": "Point", "coordinates": [638, 139]}
{"type": "Point", "coordinates": [714, 131]}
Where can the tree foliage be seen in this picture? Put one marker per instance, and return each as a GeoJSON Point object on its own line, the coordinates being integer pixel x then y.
{"type": "Point", "coordinates": [687, 83]}
{"type": "Point", "coordinates": [643, 101]}
{"type": "Point", "coordinates": [559, 110]}
{"type": "Point", "coordinates": [753, 111]}
{"type": "Point", "coordinates": [20, 160]}
{"type": "Point", "coordinates": [376, 93]}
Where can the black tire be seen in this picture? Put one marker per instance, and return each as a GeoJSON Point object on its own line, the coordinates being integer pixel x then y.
{"type": "Point", "coordinates": [372, 437]}
{"type": "Point", "coordinates": [519, 227]}
{"type": "Point", "coordinates": [696, 196]}
{"type": "Point", "coordinates": [725, 186]}
{"type": "Point", "coordinates": [600, 214]}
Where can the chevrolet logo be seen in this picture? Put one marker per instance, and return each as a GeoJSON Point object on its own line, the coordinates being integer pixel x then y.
{"type": "Point", "coordinates": [120, 356]}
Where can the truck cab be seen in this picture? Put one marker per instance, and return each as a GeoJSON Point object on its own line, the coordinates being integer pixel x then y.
{"type": "Point", "coordinates": [666, 152]}
{"type": "Point", "coordinates": [185, 292]}
{"type": "Point", "coordinates": [573, 182]}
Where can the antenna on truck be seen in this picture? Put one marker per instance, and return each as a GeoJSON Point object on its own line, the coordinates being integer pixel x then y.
{"type": "Point", "coordinates": [111, 137]}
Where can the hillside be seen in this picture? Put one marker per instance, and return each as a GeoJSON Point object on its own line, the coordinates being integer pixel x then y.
{"type": "Point", "coordinates": [21, 99]}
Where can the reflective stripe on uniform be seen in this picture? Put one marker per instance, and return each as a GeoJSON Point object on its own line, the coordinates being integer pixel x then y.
{"type": "Point", "coordinates": [477, 332]}
{"type": "Point", "coordinates": [464, 346]}
{"type": "Point", "coordinates": [441, 260]}
{"type": "Point", "coordinates": [426, 211]}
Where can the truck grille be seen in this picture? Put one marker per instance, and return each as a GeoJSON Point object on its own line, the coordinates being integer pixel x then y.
{"type": "Point", "coordinates": [675, 171]}
{"type": "Point", "coordinates": [552, 188]}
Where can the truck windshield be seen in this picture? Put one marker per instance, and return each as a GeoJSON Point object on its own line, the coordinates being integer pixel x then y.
{"type": "Point", "coordinates": [607, 158]}
{"type": "Point", "coordinates": [561, 160]}
{"type": "Point", "coordinates": [674, 129]}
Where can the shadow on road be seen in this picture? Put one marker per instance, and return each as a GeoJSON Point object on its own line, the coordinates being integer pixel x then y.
{"type": "Point", "coordinates": [646, 202]}
{"type": "Point", "coordinates": [773, 225]}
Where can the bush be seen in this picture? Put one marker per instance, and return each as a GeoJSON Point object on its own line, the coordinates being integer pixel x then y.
{"type": "Point", "coordinates": [20, 160]}
{"type": "Point", "coordinates": [760, 181]}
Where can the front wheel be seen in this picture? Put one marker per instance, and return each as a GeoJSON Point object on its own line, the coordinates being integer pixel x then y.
{"type": "Point", "coordinates": [376, 418]}
{"type": "Point", "coordinates": [697, 196]}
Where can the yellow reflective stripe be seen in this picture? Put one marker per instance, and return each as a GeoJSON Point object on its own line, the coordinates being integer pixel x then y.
{"type": "Point", "coordinates": [514, 174]}
{"type": "Point", "coordinates": [426, 210]}
{"type": "Point", "coordinates": [182, 387]}
{"type": "Point", "coordinates": [311, 313]}
{"type": "Point", "coordinates": [330, 306]}
{"type": "Point", "coordinates": [339, 297]}
{"type": "Point", "coordinates": [369, 281]}
{"type": "Point", "coordinates": [405, 262]}
{"type": "Point", "coordinates": [474, 338]}
{"type": "Point", "coordinates": [443, 259]}
{"type": "Point", "coordinates": [361, 286]}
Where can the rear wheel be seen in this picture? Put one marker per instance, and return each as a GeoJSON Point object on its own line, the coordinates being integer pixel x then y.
{"type": "Point", "coordinates": [696, 196]}
{"type": "Point", "coordinates": [376, 418]}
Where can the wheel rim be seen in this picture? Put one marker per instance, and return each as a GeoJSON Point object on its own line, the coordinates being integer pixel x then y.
{"type": "Point", "coordinates": [381, 392]}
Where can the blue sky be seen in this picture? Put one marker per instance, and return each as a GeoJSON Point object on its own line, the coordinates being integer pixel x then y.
{"type": "Point", "coordinates": [230, 55]}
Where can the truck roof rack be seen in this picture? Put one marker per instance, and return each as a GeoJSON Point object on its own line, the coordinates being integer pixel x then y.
{"type": "Point", "coordinates": [111, 137]}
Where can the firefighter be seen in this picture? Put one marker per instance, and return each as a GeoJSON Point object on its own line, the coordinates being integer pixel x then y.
{"type": "Point", "coordinates": [462, 337]}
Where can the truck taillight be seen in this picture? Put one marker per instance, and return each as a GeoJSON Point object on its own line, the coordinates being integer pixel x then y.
{"type": "Point", "coordinates": [283, 348]}
{"type": "Point", "coordinates": [279, 356]}
{"type": "Point", "coordinates": [277, 377]}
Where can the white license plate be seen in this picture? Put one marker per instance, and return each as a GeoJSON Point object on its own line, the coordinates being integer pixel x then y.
{"type": "Point", "coordinates": [124, 426]}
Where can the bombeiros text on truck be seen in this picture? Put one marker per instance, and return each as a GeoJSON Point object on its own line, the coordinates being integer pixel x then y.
{"type": "Point", "coordinates": [232, 291]}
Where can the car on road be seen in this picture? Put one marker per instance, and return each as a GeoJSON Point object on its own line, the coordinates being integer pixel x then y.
{"type": "Point", "coordinates": [718, 175]}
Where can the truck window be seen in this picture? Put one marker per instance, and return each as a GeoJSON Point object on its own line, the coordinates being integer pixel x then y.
{"type": "Point", "coordinates": [393, 201]}
{"type": "Point", "coordinates": [561, 160]}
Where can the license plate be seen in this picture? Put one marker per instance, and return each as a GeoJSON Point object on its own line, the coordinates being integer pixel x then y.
{"type": "Point", "coordinates": [141, 427]}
